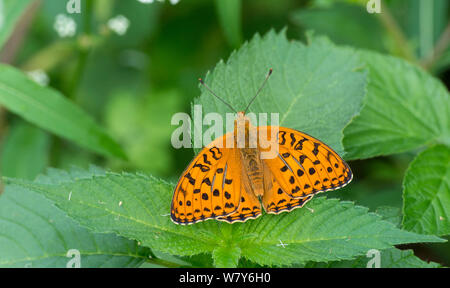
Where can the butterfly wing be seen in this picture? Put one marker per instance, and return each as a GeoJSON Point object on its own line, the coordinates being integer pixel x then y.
{"type": "Point", "coordinates": [275, 200]}
{"type": "Point", "coordinates": [304, 165]}
{"type": "Point", "coordinates": [210, 185]}
{"type": "Point", "coordinates": [249, 206]}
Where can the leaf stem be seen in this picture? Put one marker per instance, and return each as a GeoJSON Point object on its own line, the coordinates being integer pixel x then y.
{"type": "Point", "coordinates": [165, 263]}
{"type": "Point", "coordinates": [439, 49]}
{"type": "Point", "coordinates": [85, 48]}
{"type": "Point", "coordinates": [396, 33]}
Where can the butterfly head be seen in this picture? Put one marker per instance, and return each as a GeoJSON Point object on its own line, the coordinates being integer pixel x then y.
{"type": "Point", "coordinates": [242, 122]}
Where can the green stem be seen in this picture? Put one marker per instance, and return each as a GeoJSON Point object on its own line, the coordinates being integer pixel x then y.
{"type": "Point", "coordinates": [55, 155]}
{"type": "Point", "coordinates": [87, 20]}
{"type": "Point", "coordinates": [439, 49]}
{"type": "Point", "coordinates": [85, 48]}
{"type": "Point", "coordinates": [396, 34]}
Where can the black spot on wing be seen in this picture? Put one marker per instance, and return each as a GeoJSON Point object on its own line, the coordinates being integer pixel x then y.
{"type": "Point", "coordinates": [216, 154]}
{"type": "Point", "coordinates": [207, 181]}
{"type": "Point", "coordinates": [299, 145]}
{"type": "Point", "coordinates": [283, 137]}
{"type": "Point", "coordinates": [302, 158]}
{"type": "Point", "coordinates": [293, 140]}
{"type": "Point", "coordinates": [189, 177]}
{"type": "Point", "coordinates": [315, 151]}
{"type": "Point", "coordinates": [202, 167]}
{"type": "Point", "coordinates": [205, 159]}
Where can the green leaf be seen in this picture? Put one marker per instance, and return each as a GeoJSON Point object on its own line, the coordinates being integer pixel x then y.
{"type": "Point", "coordinates": [138, 207]}
{"type": "Point", "coordinates": [389, 258]}
{"type": "Point", "coordinates": [315, 88]}
{"type": "Point", "coordinates": [10, 12]}
{"type": "Point", "coordinates": [405, 108]}
{"type": "Point", "coordinates": [230, 19]}
{"type": "Point", "coordinates": [24, 152]}
{"type": "Point", "coordinates": [427, 192]}
{"type": "Point", "coordinates": [390, 214]}
{"type": "Point", "coordinates": [50, 110]}
{"type": "Point", "coordinates": [226, 257]}
{"type": "Point", "coordinates": [34, 233]}
{"type": "Point", "coordinates": [332, 231]}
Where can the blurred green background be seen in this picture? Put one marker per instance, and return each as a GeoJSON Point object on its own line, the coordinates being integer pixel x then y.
{"type": "Point", "coordinates": [133, 83]}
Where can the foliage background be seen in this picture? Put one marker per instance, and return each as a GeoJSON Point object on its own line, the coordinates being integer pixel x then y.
{"type": "Point", "coordinates": [126, 89]}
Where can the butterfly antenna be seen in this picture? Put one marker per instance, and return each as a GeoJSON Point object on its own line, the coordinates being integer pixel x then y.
{"type": "Point", "coordinates": [259, 90]}
{"type": "Point", "coordinates": [210, 91]}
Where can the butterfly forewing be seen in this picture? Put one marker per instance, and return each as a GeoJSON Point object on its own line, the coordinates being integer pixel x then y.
{"type": "Point", "coordinates": [209, 187]}
{"type": "Point", "coordinates": [306, 166]}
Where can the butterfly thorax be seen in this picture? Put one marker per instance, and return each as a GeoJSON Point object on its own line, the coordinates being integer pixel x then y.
{"type": "Point", "coordinates": [245, 136]}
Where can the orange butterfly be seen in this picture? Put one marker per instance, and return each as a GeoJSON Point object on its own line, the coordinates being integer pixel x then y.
{"type": "Point", "coordinates": [230, 184]}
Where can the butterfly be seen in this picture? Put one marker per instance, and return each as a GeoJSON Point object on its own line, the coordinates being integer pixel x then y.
{"type": "Point", "coordinates": [231, 184]}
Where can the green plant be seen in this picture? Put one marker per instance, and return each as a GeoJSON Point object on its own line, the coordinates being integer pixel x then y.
{"type": "Point", "coordinates": [362, 104]}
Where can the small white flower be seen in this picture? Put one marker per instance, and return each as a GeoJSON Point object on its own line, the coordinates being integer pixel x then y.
{"type": "Point", "coordinates": [39, 76]}
{"type": "Point", "coordinates": [173, 2]}
{"type": "Point", "coordinates": [65, 26]}
{"type": "Point", "coordinates": [119, 24]}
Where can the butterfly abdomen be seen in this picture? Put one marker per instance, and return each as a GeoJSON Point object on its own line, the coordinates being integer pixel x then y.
{"type": "Point", "coordinates": [253, 169]}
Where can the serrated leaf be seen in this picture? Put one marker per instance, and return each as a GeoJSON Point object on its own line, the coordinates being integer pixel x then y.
{"type": "Point", "coordinates": [333, 231]}
{"type": "Point", "coordinates": [314, 88]}
{"type": "Point", "coordinates": [426, 192]}
{"type": "Point", "coordinates": [390, 258]}
{"type": "Point", "coordinates": [34, 233]}
{"type": "Point", "coordinates": [51, 111]}
{"type": "Point", "coordinates": [405, 108]}
{"type": "Point", "coordinates": [138, 207]}
{"type": "Point", "coordinates": [390, 214]}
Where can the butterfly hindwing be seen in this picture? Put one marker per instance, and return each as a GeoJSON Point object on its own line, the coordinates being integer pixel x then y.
{"type": "Point", "coordinates": [249, 205]}
{"type": "Point", "coordinates": [275, 200]}
{"type": "Point", "coordinates": [306, 166]}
